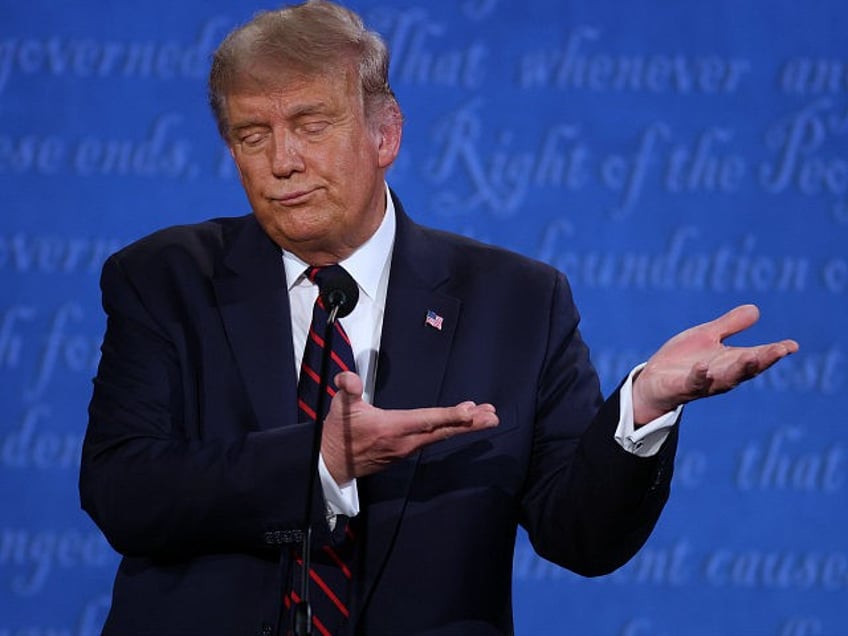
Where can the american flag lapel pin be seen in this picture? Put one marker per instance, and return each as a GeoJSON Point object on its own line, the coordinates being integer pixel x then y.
{"type": "Point", "coordinates": [433, 320]}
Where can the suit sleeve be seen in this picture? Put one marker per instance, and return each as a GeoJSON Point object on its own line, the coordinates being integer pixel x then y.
{"type": "Point", "coordinates": [589, 505]}
{"type": "Point", "coordinates": [153, 483]}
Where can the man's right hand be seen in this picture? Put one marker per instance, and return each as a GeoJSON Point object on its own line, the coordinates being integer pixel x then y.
{"type": "Point", "coordinates": [360, 439]}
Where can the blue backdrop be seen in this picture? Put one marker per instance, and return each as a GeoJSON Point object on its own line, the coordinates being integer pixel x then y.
{"type": "Point", "coordinates": [673, 158]}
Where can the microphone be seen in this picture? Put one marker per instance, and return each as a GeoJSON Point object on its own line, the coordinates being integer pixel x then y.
{"type": "Point", "coordinates": [339, 293]}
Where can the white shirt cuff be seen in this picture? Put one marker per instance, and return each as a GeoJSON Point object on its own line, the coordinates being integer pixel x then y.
{"type": "Point", "coordinates": [340, 500]}
{"type": "Point", "coordinates": [647, 439]}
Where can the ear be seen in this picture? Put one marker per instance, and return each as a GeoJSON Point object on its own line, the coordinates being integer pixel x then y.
{"type": "Point", "coordinates": [389, 135]}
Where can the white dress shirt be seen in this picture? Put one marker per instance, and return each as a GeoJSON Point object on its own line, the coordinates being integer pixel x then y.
{"type": "Point", "coordinates": [369, 266]}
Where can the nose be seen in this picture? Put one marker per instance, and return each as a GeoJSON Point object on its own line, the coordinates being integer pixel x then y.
{"type": "Point", "coordinates": [287, 157]}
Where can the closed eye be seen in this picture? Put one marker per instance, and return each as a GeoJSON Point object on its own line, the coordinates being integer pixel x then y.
{"type": "Point", "coordinates": [252, 140]}
{"type": "Point", "coordinates": [315, 127]}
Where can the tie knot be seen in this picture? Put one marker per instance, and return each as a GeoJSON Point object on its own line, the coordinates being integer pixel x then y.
{"type": "Point", "coordinates": [321, 275]}
{"type": "Point", "coordinates": [336, 288]}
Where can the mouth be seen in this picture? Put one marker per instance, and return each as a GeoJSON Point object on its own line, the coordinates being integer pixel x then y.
{"type": "Point", "coordinates": [294, 197]}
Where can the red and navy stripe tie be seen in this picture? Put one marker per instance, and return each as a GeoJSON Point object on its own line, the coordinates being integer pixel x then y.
{"type": "Point", "coordinates": [329, 574]}
{"type": "Point", "coordinates": [341, 356]}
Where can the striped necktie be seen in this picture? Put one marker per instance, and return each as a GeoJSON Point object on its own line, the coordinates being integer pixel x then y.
{"type": "Point", "coordinates": [341, 356]}
{"type": "Point", "coordinates": [329, 571]}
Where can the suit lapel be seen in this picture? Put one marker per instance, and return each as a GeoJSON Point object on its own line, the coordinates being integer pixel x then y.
{"type": "Point", "coordinates": [254, 306]}
{"type": "Point", "coordinates": [413, 354]}
{"type": "Point", "coordinates": [411, 366]}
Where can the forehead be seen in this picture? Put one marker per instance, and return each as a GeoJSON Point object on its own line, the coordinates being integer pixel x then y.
{"type": "Point", "coordinates": [289, 91]}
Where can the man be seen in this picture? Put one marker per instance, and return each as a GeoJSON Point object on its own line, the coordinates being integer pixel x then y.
{"type": "Point", "coordinates": [473, 407]}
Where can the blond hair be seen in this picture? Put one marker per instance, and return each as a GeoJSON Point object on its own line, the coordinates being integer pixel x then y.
{"type": "Point", "coordinates": [310, 38]}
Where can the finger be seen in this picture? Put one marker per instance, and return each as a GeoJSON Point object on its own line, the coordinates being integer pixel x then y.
{"type": "Point", "coordinates": [478, 408]}
{"type": "Point", "coordinates": [743, 365]}
{"type": "Point", "coordinates": [349, 383]}
{"type": "Point", "coordinates": [421, 427]}
{"type": "Point", "coordinates": [767, 354]}
{"type": "Point", "coordinates": [736, 320]}
{"type": "Point", "coordinates": [485, 416]}
{"type": "Point", "coordinates": [698, 381]}
{"type": "Point", "coordinates": [482, 416]}
{"type": "Point", "coordinates": [486, 408]}
{"type": "Point", "coordinates": [789, 346]}
{"type": "Point", "coordinates": [418, 440]}
{"type": "Point", "coordinates": [464, 416]}
{"type": "Point", "coordinates": [349, 393]}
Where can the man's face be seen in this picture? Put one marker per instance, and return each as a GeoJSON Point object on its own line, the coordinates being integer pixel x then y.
{"type": "Point", "coordinates": [311, 165]}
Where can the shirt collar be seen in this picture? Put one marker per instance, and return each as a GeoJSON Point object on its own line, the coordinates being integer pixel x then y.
{"type": "Point", "coordinates": [366, 264]}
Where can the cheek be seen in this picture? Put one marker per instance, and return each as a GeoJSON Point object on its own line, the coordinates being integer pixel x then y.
{"type": "Point", "coordinates": [254, 179]}
{"type": "Point", "coordinates": [244, 170]}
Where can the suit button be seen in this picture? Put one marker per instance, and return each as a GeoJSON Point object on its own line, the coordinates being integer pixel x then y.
{"type": "Point", "coordinates": [266, 629]}
{"type": "Point", "coordinates": [658, 478]}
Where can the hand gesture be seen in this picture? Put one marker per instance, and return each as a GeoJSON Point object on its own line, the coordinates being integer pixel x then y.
{"type": "Point", "coordinates": [360, 439]}
{"type": "Point", "coordinates": [696, 363]}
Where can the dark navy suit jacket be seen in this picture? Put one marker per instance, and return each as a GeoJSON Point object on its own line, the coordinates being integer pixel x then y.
{"type": "Point", "coordinates": [194, 464]}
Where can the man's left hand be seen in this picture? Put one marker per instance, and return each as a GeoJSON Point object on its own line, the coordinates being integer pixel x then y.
{"type": "Point", "coordinates": [696, 363]}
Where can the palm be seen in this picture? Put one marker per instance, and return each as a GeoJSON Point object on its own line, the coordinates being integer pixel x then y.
{"type": "Point", "coordinates": [696, 363]}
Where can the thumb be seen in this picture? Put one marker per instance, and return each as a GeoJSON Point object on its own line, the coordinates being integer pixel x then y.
{"type": "Point", "coordinates": [736, 320]}
{"type": "Point", "coordinates": [350, 385]}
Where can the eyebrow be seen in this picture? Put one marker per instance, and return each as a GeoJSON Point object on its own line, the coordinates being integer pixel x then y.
{"type": "Point", "coordinates": [310, 109]}
{"type": "Point", "coordinates": [300, 111]}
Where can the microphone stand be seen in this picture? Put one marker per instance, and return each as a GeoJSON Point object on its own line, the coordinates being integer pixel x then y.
{"type": "Point", "coordinates": [303, 610]}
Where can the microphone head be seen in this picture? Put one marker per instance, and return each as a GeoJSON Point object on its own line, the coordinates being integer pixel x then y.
{"type": "Point", "coordinates": [338, 289]}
